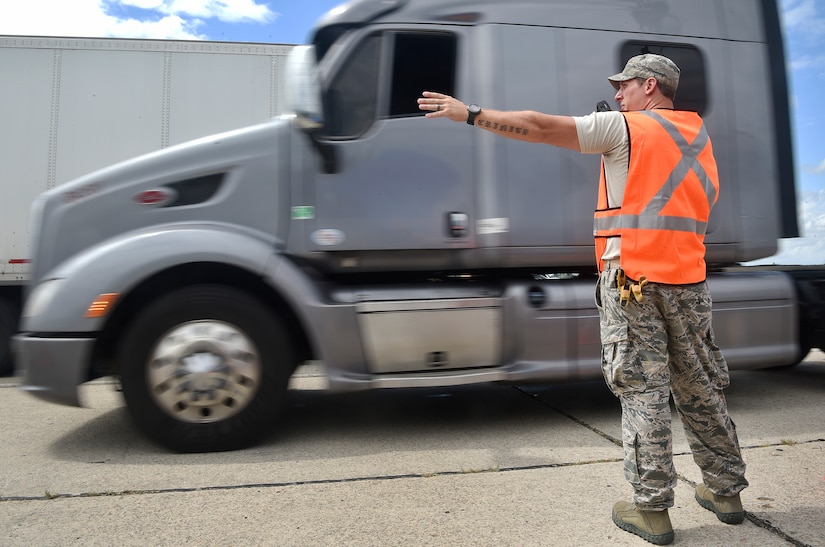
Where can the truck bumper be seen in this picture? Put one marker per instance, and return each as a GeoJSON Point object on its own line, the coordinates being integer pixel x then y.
{"type": "Point", "coordinates": [53, 368]}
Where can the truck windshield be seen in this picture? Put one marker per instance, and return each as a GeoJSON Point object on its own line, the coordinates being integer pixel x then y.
{"type": "Point", "coordinates": [327, 36]}
{"type": "Point", "coordinates": [352, 95]}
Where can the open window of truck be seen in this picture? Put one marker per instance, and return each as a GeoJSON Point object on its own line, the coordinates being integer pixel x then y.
{"type": "Point", "coordinates": [383, 77]}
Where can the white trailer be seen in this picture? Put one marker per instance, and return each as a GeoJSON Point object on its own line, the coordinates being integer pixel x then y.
{"type": "Point", "coordinates": [72, 105]}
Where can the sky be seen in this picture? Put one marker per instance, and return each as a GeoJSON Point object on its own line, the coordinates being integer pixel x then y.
{"type": "Point", "coordinates": [290, 22]}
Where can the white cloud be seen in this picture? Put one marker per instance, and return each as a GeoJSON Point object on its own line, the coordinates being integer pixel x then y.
{"type": "Point", "coordinates": [170, 27]}
{"type": "Point", "coordinates": [230, 11]}
{"type": "Point", "coordinates": [816, 170]}
{"type": "Point", "coordinates": [802, 62]}
{"type": "Point", "coordinates": [53, 18]}
{"type": "Point", "coordinates": [143, 4]}
{"type": "Point", "coordinates": [810, 248]}
{"type": "Point", "coordinates": [796, 12]}
{"type": "Point", "coordinates": [169, 19]}
{"type": "Point", "coordinates": [802, 16]}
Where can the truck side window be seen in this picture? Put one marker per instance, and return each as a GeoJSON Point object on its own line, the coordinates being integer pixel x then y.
{"type": "Point", "coordinates": [692, 93]}
{"type": "Point", "coordinates": [352, 97]}
{"type": "Point", "coordinates": [388, 72]}
{"type": "Point", "coordinates": [421, 61]}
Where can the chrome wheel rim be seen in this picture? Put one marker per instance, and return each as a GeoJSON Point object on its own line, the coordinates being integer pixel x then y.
{"type": "Point", "coordinates": [204, 371]}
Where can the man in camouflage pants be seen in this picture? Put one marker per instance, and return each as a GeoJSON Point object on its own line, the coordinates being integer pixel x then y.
{"type": "Point", "coordinates": [657, 337]}
{"type": "Point", "coordinates": [662, 345]}
{"type": "Point", "coordinates": [658, 183]}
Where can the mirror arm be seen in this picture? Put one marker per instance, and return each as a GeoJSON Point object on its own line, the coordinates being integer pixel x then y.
{"type": "Point", "coordinates": [326, 150]}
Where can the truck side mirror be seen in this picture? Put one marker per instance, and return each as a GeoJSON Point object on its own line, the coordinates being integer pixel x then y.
{"type": "Point", "coordinates": [303, 98]}
{"type": "Point", "coordinates": [303, 89]}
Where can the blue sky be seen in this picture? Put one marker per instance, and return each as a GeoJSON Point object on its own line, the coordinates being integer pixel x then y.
{"type": "Point", "coordinates": [290, 22]}
{"type": "Point", "coordinates": [804, 22]}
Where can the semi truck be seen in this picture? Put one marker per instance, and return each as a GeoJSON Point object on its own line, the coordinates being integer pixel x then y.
{"type": "Point", "coordinates": [394, 251]}
{"type": "Point", "coordinates": [73, 105]}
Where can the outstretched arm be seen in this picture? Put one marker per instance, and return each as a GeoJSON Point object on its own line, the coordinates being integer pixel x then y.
{"type": "Point", "coordinates": [525, 125]}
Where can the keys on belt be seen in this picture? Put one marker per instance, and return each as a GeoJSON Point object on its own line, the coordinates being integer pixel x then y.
{"type": "Point", "coordinates": [629, 289]}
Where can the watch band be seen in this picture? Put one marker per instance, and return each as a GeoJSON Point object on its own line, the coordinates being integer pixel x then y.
{"type": "Point", "coordinates": [472, 111]}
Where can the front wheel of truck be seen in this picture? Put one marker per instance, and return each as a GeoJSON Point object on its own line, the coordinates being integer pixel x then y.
{"type": "Point", "coordinates": [205, 369]}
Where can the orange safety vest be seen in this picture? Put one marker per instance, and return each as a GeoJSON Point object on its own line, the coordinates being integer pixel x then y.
{"type": "Point", "coordinates": [672, 184]}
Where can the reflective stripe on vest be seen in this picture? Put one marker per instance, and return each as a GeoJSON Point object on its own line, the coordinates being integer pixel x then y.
{"type": "Point", "coordinates": [650, 219]}
{"type": "Point", "coordinates": [667, 248]}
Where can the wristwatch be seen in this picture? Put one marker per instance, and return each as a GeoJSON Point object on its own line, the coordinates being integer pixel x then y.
{"type": "Point", "coordinates": [472, 111]}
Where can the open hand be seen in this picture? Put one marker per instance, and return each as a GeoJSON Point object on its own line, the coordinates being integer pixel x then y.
{"type": "Point", "coordinates": [438, 105]}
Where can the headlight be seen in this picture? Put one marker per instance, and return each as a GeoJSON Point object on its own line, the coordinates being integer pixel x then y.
{"type": "Point", "coordinates": [41, 297]}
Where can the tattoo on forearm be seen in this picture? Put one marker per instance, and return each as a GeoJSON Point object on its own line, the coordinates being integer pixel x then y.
{"type": "Point", "coordinates": [502, 128]}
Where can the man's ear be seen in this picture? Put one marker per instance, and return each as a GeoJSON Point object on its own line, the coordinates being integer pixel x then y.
{"type": "Point", "coordinates": [650, 85]}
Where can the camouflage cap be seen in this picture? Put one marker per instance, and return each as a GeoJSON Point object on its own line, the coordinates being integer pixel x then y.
{"type": "Point", "coordinates": [649, 65]}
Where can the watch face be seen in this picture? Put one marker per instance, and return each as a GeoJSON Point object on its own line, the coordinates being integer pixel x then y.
{"type": "Point", "coordinates": [474, 109]}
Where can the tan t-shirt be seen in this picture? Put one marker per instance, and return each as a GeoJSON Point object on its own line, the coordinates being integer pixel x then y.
{"type": "Point", "coordinates": [605, 133]}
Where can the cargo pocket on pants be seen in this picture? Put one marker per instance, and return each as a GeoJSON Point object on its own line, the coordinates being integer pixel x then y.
{"type": "Point", "coordinates": [718, 373]}
{"type": "Point", "coordinates": [622, 373]}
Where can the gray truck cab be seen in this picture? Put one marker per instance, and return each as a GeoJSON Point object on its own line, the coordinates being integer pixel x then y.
{"type": "Point", "coordinates": [394, 250]}
{"type": "Point", "coordinates": [526, 204]}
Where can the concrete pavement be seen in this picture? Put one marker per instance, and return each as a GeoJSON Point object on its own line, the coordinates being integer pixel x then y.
{"type": "Point", "coordinates": [479, 465]}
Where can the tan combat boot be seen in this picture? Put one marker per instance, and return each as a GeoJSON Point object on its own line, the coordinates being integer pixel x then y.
{"type": "Point", "coordinates": [728, 509]}
{"type": "Point", "coordinates": [652, 526]}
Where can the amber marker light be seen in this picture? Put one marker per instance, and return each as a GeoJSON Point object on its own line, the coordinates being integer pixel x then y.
{"type": "Point", "coordinates": [101, 305]}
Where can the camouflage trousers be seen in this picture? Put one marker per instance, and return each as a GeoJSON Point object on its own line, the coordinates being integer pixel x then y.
{"type": "Point", "coordinates": [651, 349]}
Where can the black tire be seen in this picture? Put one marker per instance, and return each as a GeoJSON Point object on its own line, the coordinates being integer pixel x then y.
{"type": "Point", "coordinates": [8, 328]}
{"type": "Point", "coordinates": [205, 369]}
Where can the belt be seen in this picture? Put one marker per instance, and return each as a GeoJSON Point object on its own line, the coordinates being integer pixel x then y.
{"type": "Point", "coordinates": [612, 264]}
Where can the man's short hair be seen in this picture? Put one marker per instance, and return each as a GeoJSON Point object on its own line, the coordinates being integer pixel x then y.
{"type": "Point", "coordinates": [666, 90]}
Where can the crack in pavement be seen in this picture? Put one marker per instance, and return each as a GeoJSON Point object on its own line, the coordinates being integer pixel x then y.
{"type": "Point", "coordinates": [761, 523]}
{"type": "Point", "coordinates": [757, 521]}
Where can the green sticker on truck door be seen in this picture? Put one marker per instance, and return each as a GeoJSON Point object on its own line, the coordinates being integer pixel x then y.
{"type": "Point", "coordinates": [303, 212]}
